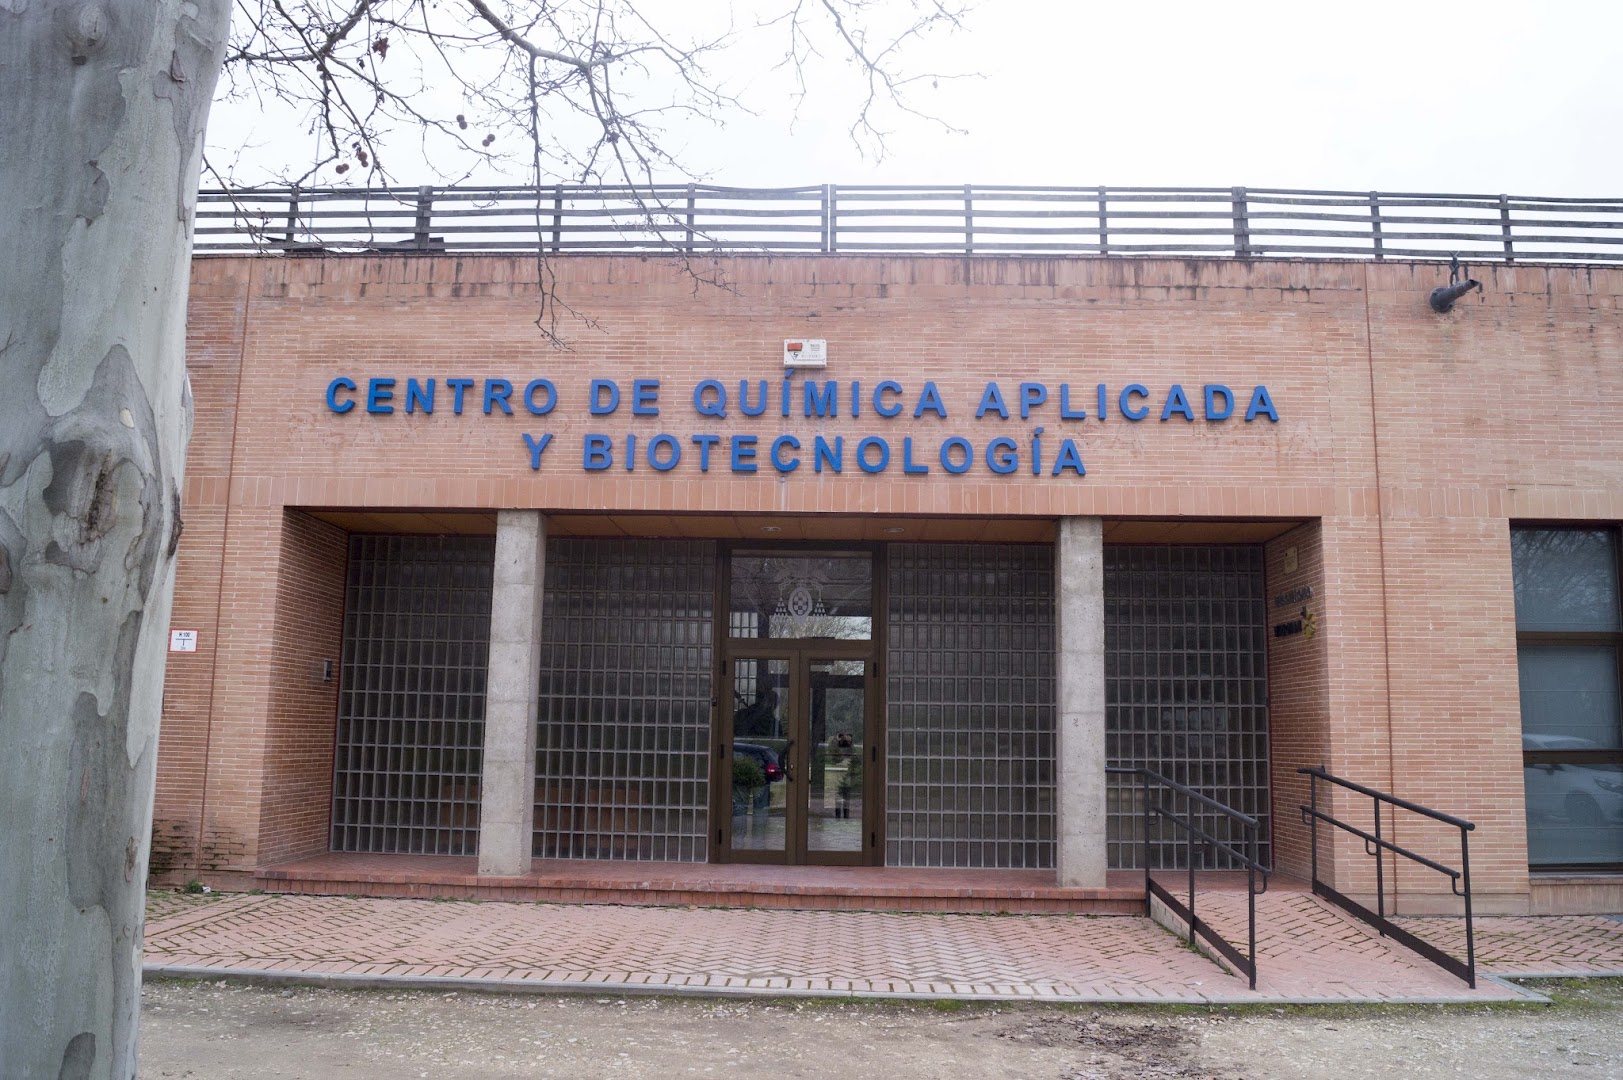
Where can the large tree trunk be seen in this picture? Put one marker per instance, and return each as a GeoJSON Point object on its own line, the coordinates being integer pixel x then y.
{"type": "Point", "coordinates": [102, 108]}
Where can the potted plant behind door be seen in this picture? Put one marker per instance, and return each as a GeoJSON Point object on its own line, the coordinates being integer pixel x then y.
{"type": "Point", "coordinates": [748, 779]}
{"type": "Point", "coordinates": [850, 784]}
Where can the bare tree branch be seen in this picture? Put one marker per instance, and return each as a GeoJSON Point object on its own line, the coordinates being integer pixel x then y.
{"type": "Point", "coordinates": [577, 91]}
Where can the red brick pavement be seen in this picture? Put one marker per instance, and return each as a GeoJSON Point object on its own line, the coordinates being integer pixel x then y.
{"type": "Point", "coordinates": [1307, 950]}
{"type": "Point", "coordinates": [1534, 944]}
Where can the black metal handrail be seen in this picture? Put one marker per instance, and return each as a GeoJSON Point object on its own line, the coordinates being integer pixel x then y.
{"type": "Point", "coordinates": [1245, 962]}
{"type": "Point", "coordinates": [1238, 222]}
{"type": "Point", "coordinates": [1374, 844]}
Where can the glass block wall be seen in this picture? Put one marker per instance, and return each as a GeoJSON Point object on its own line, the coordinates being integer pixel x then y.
{"type": "Point", "coordinates": [411, 702]}
{"type": "Point", "coordinates": [1186, 689]}
{"type": "Point", "coordinates": [970, 706]}
{"type": "Point", "coordinates": [623, 732]}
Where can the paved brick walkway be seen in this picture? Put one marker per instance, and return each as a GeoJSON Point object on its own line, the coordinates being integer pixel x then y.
{"type": "Point", "coordinates": [1530, 945]}
{"type": "Point", "coordinates": [1307, 951]}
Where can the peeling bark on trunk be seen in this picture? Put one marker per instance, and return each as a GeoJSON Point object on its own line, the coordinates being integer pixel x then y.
{"type": "Point", "coordinates": [102, 108]}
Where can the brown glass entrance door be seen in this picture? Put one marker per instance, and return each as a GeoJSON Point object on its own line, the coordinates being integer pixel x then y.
{"type": "Point", "coordinates": [798, 757]}
{"type": "Point", "coordinates": [753, 760]}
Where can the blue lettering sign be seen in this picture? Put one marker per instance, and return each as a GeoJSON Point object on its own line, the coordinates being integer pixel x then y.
{"type": "Point", "coordinates": [458, 386]}
{"type": "Point", "coordinates": [908, 467]}
{"type": "Point", "coordinates": [1177, 402]}
{"type": "Point", "coordinates": [497, 391]}
{"type": "Point", "coordinates": [704, 443]}
{"type": "Point", "coordinates": [1032, 394]}
{"type": "Point", "coordinates": [340, 383]}
{"type": "Point", "coordinates": [667, 460]}
{"type": "Point", "coordinates": [873, 442]}
{"type": "Point", "coordinates": [1002, 456]}
{"type": "Point", "coordinates": [1069, 458]}
{"type": "Point", "coordinates": [379, 392]}
{"type": "Point", "coordinates": [537, 447]}
{"type": "Point", "coordinates": [529, 397]}
{"type": "Point", "coordinates": [710, 398]}
{"type": "Point", "coordinates": [778, 444]}
{"type": "Point", "coordinates": [597, 453]}
{"type": "Point", "coordinates": [832, 456]}
{"type": "Point", "coordinates": [1065, 410]}
{"type": "Point", "coordinates": [930, 400]}
{"type": "Point", "coordinates": [824, 402]}
{"type": "Point", "coordinates": [417, 397]}
{"type": "Point", "coordinates": [992, 400]}
{"type": "Point", "coordinates": [644, 397]}
{"type": "Point", "coordinates": [1130, 411]}
{"type": "Point", "coordinates": [884, 408]}
{"type": "Point", "coordinates": [1261, 405]}
{"type": "Point", "coordinates": [604, 397]}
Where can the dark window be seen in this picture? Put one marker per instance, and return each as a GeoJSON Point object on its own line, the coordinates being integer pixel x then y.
{"type": "Point", "coordinates": [1569, 628]}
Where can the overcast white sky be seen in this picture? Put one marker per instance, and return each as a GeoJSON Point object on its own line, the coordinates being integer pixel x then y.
{"type": "Point", "coordinates": [1488, 97]}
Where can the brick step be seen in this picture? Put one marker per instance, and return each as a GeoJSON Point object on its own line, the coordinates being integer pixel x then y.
{"type": "Point", "coordinates": [705, 885]}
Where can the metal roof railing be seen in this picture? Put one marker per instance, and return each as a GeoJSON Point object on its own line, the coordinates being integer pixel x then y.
{"type": "Point", "coordinates": [1244, 223]}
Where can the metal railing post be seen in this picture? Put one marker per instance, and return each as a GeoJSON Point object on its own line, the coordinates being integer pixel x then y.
{"type": "Point", "coordinates": [831, 225]}
{"type": "Point", "coordinates": [1313, 800]}
{"type": "Point", "coordinates": [1104, 225]}
{"type": "Point", "coordinates": [1380, 869]}
{"type": "Point", "coordinates": [1470, 929]}
{"type": "Point", "coordinates": [425, 209]}
{"type": "Point", "coordinates": [292, 214]}
{"type": "Point", "coordinates": [969, 220]}
{"type": "Point", "coordinates": [1375, 225]}
{"type": "Point", "coordinates": [1504, 228]}
{"type": "Point", "coordinates": [1242, 224]}
{"type": "Point", "coordinates": [1189, 854]}
{"type": "Point", "coordinates": [1145, 777]}
{"type": "Point", "coordinates": [557, 216]}
{"type": "Point", "coordinates": [1251, 902]}
{"type": "Point", "coordinates": [688, 244]}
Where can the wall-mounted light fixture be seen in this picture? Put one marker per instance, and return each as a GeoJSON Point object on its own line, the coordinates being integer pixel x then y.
{"type": "Point", "coordinates": [1443, 296]}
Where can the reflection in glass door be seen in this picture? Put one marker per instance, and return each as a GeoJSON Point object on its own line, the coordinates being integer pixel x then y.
{"type": "Point", "coordinates": [836, 707]}
{"type": "Point", "coordinates": [800, 758]}
{"type": "Point", "coordinates": [797, 772]}
{"type": "Point", "coordinates": [761, 746]}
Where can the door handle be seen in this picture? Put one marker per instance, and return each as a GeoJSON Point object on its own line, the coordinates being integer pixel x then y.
{"type": "Point", "coordinates": [789, 762]}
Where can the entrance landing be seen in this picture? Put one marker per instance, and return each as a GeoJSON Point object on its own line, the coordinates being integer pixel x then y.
{"type": "Point", "coordinates": [1308, 951]}
{"type": "Point", "coordinates": [728, 885]}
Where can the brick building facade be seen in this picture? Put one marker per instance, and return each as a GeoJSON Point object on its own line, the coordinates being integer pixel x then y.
{"type": "Point", "coordinates": [1300, 553]}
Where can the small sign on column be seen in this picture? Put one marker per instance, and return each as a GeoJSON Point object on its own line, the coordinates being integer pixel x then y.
{"type": "Point", "coordinates": [183, 641]}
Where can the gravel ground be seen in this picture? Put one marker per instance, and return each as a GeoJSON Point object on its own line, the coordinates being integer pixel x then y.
{"type": "Point", "coordinates": [222, 1030]}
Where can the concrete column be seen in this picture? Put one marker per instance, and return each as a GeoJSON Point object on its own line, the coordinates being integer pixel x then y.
{"type": "Point", "coordinates": [1079, 589]}
{"type": "Point", "coordinates": [507, 790]}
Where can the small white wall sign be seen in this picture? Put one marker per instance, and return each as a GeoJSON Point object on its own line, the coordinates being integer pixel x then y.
{"type": "Point", "coordinates": [805, 353]}
{"type": "Point", "coordinates": [183, 641]}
